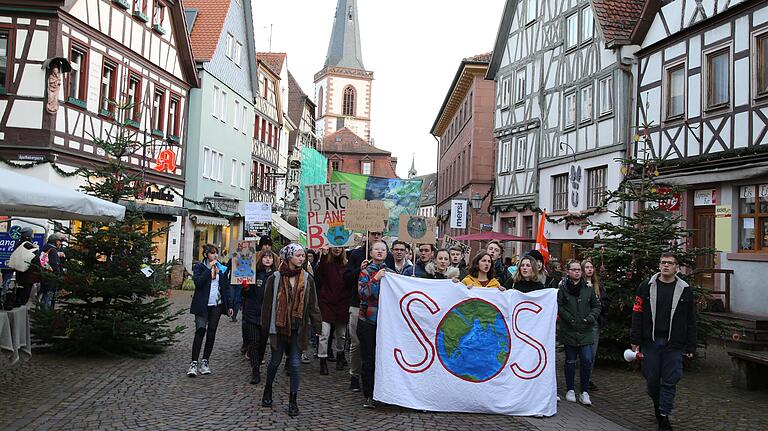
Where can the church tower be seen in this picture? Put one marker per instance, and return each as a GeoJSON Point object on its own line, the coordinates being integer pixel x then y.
{"type": "Point", "coordinates": [343, 86]}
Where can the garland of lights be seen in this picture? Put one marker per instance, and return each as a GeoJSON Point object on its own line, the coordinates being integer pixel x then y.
{"type": "Point", "coordinates": [54, 166]}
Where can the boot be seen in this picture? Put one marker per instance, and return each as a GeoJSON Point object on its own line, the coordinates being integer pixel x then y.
{"type": "Point", "coordinates": [293, 406]}
{"type": "Point", "coordinates": [255, 376]}
{"type": "Point", "coordinates": [323, 367]}
{"type": "Point", "coordinates": [266, 399]}
{"type": "Point", "coordinates": [340, 361]}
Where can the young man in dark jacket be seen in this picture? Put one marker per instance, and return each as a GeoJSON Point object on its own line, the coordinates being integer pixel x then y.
{"type": "Point", "coordinates": [356, 262]}
{"type": "Point", "coordinates": [663, 329]}
{"type": "Point", "coordinates": [426, 254]}
{"type": "Point", "coordinates": [49, 285]}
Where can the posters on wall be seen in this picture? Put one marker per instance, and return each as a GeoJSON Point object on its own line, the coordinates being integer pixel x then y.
{"type": "Point", "coordinates": [399, 196]}
{"type": "Point", "coordinates": [258, 219]}
{"type": "Point", "coordinates": [326, 211]}
{"type": "Point", "coordinates": [416, 229]}
{"type": "Point", "coordinates": [314, 170]}
{"type": "Point", "coordinates": [244, 262]}
{"type": "Point", "coordinates": [367, 216]}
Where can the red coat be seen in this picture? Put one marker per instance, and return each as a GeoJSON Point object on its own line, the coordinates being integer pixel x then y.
{"type": "Point", "coordinates": [332, 294]}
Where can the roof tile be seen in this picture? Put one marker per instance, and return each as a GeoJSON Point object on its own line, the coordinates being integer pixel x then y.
{"type": "Point", "coordinates": [209, 23]}
{"type": "Point", "coordinates": [618, 18]}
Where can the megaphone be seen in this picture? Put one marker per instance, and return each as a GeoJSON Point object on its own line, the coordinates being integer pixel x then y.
{"type": "Point", "coordinates": [631, 356]}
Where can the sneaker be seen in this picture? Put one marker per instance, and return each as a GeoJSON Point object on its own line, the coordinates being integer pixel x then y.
{"type": "Point", "coordinates": [369, 403]}
{"type": "Point", "coordinates": [305, 358]}
{"type": "Point", "coordinates": [570, 396]}
{"type": "Point", "coordinates": [204, 369]}
{"type": "Point", "coordinates": [584, 399]}
{"type": "Point", "coordinates": [354, 384]}
{"type": "Point", "coordinates": [192, 372]}
{"type": "Point", "coordinates": [664, 422]}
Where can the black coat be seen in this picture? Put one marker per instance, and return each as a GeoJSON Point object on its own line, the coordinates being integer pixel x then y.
{"type": "Point", "coordinates": [355, 258]}
{"type": "Point", "coordinates": [253, 298]}
{"type": "Point", "coordinates": [201, 275]}
{"type": "Point", "coordinates": [682, 334]}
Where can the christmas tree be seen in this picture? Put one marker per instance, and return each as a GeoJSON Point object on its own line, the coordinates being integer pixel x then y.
{"type": "Point", "coordinates": [627, 249]}
{"type": "Point", "coordinates": [111, 299]}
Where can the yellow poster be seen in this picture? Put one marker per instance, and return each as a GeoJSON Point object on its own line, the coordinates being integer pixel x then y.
{"type": "Point", "coordinates": [723, 217]}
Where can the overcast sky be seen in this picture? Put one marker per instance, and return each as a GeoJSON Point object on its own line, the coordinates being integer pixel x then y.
{"type": "Point", "coordinates": [413, 47]}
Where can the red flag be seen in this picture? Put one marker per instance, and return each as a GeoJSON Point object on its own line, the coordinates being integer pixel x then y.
{"type": "Point", "coordinates": [541, 240]}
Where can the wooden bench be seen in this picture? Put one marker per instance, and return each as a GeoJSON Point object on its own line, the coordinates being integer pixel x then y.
{"type": "Point", "coordinates": [750, 369]}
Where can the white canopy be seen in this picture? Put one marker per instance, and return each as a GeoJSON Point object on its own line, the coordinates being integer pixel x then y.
{"type": "Point", "coordinates": [25, 196]}
{"type": "Point", "coordinates": [286, 229]}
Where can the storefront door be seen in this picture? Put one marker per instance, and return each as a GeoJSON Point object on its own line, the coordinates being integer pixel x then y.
{"type": "Point", "coordinates": [704, 237]}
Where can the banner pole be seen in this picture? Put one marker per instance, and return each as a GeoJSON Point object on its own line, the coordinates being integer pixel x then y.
{"type": "Point", "coordinates": [367, 233]}
{"type": "Point", "coordinates": [413, 266]}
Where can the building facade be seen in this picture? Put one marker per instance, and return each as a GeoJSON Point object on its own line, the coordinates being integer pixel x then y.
{"type": "Point", "coordinates": [135, 53]}
{"type": "Point", "coordinates": [464, 128]}
{"type": "Point", "coordinates": [702, 110]}
{"type": "Point", "coordinates": [347, 152]}
{"type": "Point", "coordinates": [561, 120]}
{"type": "Point", "coordinates": [266, 135]}
{"type": "Point", "coordinates": [301, 110]}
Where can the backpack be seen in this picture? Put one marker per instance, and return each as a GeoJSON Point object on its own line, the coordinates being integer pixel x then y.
{"type": "Point", "coordinates": [22, 257]}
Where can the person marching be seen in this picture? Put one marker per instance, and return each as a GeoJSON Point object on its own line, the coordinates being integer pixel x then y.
{"type": "Point", "coordinates": [426, 254]}
{"type": "Point", "coordinates": [664, 329]}
{"type": "Point", "coordinates": [578, 309]}
{"type": "Point", "coordinates": [211, 299]}
{"type": "Point", "coordinates": [526, 278]}
{"type": "Point", "coordinates": [369, 285]}
{"type": "Point", "coordinates": [290, 304]}
{"type": "Point", "coordinates": [545, 278]}
{"type": "Point", "coordinates": [457, 261]}
{"type": "Point", "coordinates": [334, 305]}
{"type": "Point", "coordinates": [441, 268]}
{"type": "Point", "coordinates": [593, 282]}
{"type": "Point", "coordinates": [481, 273]}
{"type": "Point", "coordinates": [403, 266]}
{"type": "Point", "coordinates": [495, 250]}
{"type": "Point", "coordinates": [253, 300]}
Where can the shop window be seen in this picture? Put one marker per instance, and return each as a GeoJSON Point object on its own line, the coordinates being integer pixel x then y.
{"type": "Point", "coordinates": [753, 218]}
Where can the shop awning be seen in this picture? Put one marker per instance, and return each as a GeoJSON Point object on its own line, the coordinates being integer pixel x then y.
{"type": "Point", "coordinates": [286, 229]}
{"type": "Point", "coordinates": [212, 221]}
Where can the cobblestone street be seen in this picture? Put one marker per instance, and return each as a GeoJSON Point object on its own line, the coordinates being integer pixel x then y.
{"type": "Point", "coordinates": [51, 392]}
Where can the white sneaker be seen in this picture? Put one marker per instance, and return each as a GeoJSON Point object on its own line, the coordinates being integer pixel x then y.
{"type": "Point", "coordinates": [570, 396]}
{"type": "Point", "coordinates": [305, 358]}
{"type": "Point", "coordinates": [204, 369]}
{"type": "Point", "coordinates": [584, 399]}
{"type": "Point", "coordinates": [192, 369]}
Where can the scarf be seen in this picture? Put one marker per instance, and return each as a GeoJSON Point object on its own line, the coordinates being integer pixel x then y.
{"type": "Point", "coordinates": [290, 302]}
{"type": "Point", "coordinates": [573, 288]}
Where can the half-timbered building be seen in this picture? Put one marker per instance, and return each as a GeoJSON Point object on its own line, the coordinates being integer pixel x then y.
{"type": "Point", "coordinates": [559, 121]}
{"type": "Point", "coordinates": [301, 110]}
{"type": "Point", "coordinates": [134, 52]}
{"type": "Point", "coordinates": [702, 110]}
{"type": "Point", "coordinates": [267, 126]}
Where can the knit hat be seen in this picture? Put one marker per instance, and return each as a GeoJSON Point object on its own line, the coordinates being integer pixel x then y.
{"type": "Point", "coordinates": [536, 255]}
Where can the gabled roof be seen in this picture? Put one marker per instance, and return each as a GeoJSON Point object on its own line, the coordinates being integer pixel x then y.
{"type": "Point", "coordinates": [273, 60]}
{"type": "Point", "coordinates": [624, 22]}
{"type": "Point", "coordinates": [346, 141]}
{"type": "Point", "coordinates": [344, 48]}
{"type": "Point", "coordinates": [207, 26]}
{"type": "Point", "coordinates": [502, 36]}
{"type": "Point", "coordinates": [296, 99]}
{"type": "Point", "coordinates": [428, 189]}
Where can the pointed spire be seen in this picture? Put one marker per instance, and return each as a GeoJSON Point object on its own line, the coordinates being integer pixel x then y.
{"type": "Point", "coordinates": [344, 49]}
{"type": "Point", "coordinates": [412, 171]}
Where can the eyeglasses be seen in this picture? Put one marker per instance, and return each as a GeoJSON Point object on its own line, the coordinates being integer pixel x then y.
{"type": "Point", "coordinates": [574, 269]}
{"type": "Point", "coordinates": [667, 262]}
{"type": "Point", "coordinates": [401, 250]}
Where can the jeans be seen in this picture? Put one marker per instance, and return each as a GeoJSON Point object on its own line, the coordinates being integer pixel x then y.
{"type": "Point", "coordinates": [584, 354]}
{"type": "Point", "coordinates": [205, 327]}
{"type": "Point", "coordinates": [366, 332]}
{"type": "Point", "coordinates": [291, 348]}
{"type": "Point", "coordinates": [662, 369]}
{"type": "Point", "coordinates": [339, 331]}
{"type": "Point", "coordinates": [354, 345]}
{"type": "Point", "coordinates": [48, 300]}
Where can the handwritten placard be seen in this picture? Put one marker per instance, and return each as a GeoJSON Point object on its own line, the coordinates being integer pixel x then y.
{"type": "Point", "coordinates": [365, 215]}
{"type": "Point", "coordinates": [244, 263]}
{"type": "Point", "coordinates": [326, 214]}
{"type": "Point", "coordinates": [417, 229]}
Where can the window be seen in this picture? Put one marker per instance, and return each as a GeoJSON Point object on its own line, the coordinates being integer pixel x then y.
{"type": "Point", "coordinates": [238, 53]}
{"type": "Point", "coordinates": [237, 116]}
{"type": "Point", "coordinates": [140, 6]}
{"type": "Point", "coordinates": [530, 11]}
{"type": "Point", "coordinates": [520, 89]}
{"type": "Point", "coordinates": [134, 96]}
{"type": "Point", "coordinates": [256, 127]}
{"type": "Point", "coordinates": [158, 106]}
{"type": "Point", "coordinates": [586, 104]}
{"type": "Point", "coordinates": [349, 101]}
{"type": "Point", "coordinates": [506, 94]}
{"type": "Point", "coordinates": [505, 150]}
{"type": "Point", "coordinates": [320, 102]}
{"type": "Point", "coordinates": [520, 152]}
{"type": "Point", "coordinates": [243, 119]}
{"type": "Point", "coordinates": [605, 86]}
{"type": "Point", "coordinates": [76, 84]}
{"type": "Point", "coordinates": [753, 218]}
{"type": "Point", "coordinates": [230, 45]}
{"type": "Point", "coordinates": [233, 180]}
{"type": "Point", "coordinates": [675, 90]}
{"type": "Point", "coordinates": [366, 168]}
{"type": "Point", "coordinates": [571, 31]}
{"type": "Point", "coordinates": [718, 78]}
{"type": "Point", "coordinates": [216, 98]}
{"type": "Point", "coordinates": [263, 130]}
{"type": "Point", "coordinates": [596, 186]}
{"type": "Point", "coordinates": [587, 24]}
{"type": "Point", "coordinates": [158, 14]}
{"type": "Point", "coordinates": [335, 165]}
{"type": "Point", "coordinates": [173, 115]}
{"type": "Point", "coordinates": [207, 162]}
{"type": "Point", "coordinates": [266, 87]}
{"type": "Point", "coordinates": [6, 57]}
{"type": "Point", "coordinates": [762, 64]}
{"type": "Point", "coordinates": [108, 88]}
{"type": "Point", "coordinates": [242, 175]}
{"type": "Point", "coordinates": [223, 107]}
{"type": "Point", "coordinates": [560, 192]}
{"type": "Point", "coordinates": [217, 167]}
{"type": "Point", "coordinates": [570, 109]}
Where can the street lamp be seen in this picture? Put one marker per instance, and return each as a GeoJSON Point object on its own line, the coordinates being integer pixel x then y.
{"type": "Point", "coordinates": [477, 201]}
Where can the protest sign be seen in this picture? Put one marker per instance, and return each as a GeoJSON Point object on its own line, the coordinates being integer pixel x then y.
{"type": "Point", "coordinates": [314, 170]}
{"type": "Point", "coordinates": [8, 241]}
{"type": "Point", "coordinates": [417, 229]}
{"type": "Point", "coordinates": [449, 242]}
{"type": "Point", "coordinates": [326, 208]}
{"type": "Point", "coordinates": [258, 219]}
{"type": "Point", "coordinates": [368, 216]}
{"type": "Point", "coordinates": [244, 262]}
{"type": "Point", "coordinates": [442, 347]}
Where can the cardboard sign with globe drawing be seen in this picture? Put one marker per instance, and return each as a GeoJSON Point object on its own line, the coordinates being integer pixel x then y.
{"type": "Point", "coordinates": [416, 229]}
{"type": "Point", "coordinates": [326, 211]}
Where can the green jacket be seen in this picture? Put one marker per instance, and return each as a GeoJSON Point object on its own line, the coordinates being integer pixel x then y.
{"type": "Point", "coordinates": [578, 314]}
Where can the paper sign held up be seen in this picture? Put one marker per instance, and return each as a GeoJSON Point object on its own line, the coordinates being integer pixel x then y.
{"type": "Point", "coordinates": [244, 262]}
{"type": "Point", "coordinates": [418, 229]}
{"type": "Point", "coordinates": [365, 215]}
{"type": "Point", "coordinates": [326, 206]}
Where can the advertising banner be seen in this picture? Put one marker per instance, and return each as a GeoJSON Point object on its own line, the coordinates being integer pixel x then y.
{"type": "Point", "coordinates": [8, 241]}
{"type": "Point", "coordinates": [458, 214]}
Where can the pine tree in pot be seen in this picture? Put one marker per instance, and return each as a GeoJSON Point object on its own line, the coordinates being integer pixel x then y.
{"type": "Point", "coordinates": [627, 250]}
{"type": "Point", "coordinates": [106, 303]}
